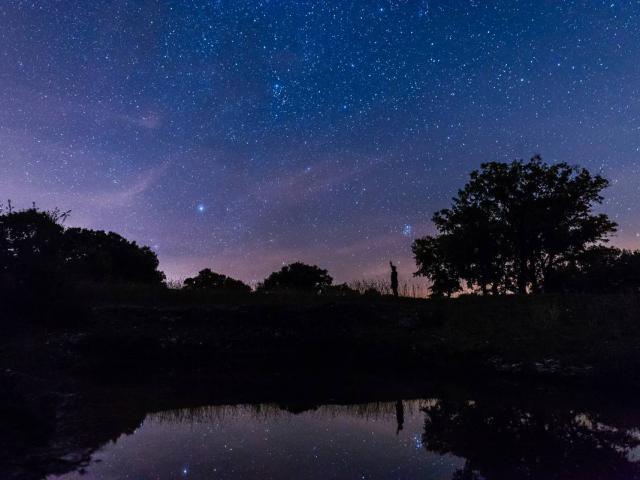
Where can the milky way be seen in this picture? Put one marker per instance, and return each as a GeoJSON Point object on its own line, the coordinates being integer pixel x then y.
{"type": "Point", "coordinates": [239, 135]}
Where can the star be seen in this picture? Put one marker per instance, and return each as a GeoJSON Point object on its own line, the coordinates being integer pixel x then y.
{"type": "Point", "coordinates": [314, 130]}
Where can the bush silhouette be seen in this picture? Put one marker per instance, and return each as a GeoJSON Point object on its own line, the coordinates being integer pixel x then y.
{"type": "Point", "coordinates": [98, 256]}
{"type": "Point", "coordinates": [212, 281]}
{"type": "Point", "coordinates": [297, 277]}
{"type": "Point", "coordinates": [342, 290]}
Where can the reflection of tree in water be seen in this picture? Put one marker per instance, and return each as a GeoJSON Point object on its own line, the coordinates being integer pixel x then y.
{"type": "Point", "coordinates": [507, 442]}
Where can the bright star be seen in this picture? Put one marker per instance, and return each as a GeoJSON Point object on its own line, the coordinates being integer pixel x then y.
{"type": "Point", "coordinates": [200, 207]}
{"type": "Point", "coordinates": [407, 230]}
{"type": "Point", "coordinates": [277, 89]}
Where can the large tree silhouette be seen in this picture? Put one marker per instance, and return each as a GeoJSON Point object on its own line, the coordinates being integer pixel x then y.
{"type": "Point", "coordinates": [512, 226]}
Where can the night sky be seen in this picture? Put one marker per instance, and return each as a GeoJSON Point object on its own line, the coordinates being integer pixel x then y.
{"type": "Point", "coordinates": [241, 135]}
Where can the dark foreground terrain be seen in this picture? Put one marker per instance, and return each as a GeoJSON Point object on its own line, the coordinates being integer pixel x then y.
{"type": "Point", "coordinates": [84, 376]}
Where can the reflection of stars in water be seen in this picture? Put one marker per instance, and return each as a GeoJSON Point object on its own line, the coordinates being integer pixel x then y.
{"type": "Point", "coordinates": [324, 445]}
{"type": "Point", "coordinates": [407, 230]}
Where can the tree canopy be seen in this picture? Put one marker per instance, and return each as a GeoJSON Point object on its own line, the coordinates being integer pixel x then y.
{"type": "Point", "coordinates": [30, 245]}
{"type": "Point", "coordinates": [212, 281]}
{"type": "Point", "coordinates": [298, 277]}
{"type": "Point", "coordinates": [101, 256]}
{"type": "Point", "coordinates": [512, 226]}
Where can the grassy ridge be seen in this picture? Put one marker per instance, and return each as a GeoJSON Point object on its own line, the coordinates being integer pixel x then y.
{"type": "Point", "coordinates": [586, 336]}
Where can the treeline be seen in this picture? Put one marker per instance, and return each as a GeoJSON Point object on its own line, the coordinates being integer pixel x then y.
{"type": "Point", "coordinates": [519, 227]}
{"type": "Point", "coordinates": [296, 277]}
{"type": "Point", "coordinates": [40, 258]}
{"type": "Point", "coordinates": [526, 227]}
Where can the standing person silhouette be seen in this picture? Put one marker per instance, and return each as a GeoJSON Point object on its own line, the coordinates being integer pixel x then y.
{"type": "Point", "coordinates": [399, 416]}
{"type": "Point", "coordinates": [394, 279]}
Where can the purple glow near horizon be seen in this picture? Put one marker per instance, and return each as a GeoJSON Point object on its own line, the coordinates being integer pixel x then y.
{"type": "Point", "coordinates": [243, 135]}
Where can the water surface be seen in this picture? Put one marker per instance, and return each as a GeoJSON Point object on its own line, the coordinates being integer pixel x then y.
{"type": "Point", "coordinates": [376, 440]}
{"type": "Point", "coordinates": [405, 439]}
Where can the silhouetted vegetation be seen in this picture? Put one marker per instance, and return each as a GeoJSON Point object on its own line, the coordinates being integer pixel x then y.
{"type": "Point", "coordinates": [598, 269]}
{"type": "Point", "coordinates": [30, 251]}
{"type": "Point", "coordinates": [106, 257]}
{"type": "Point", "coordinates": [512, 227]}
{"type": "Point", "coordinates": [40, 258]}
{"type": "Point", "coordinates": [342, 290]}
{"type": "Point", "coordinates": [208, 280]}
{"type": "Point", "coordinates": [297, 277]}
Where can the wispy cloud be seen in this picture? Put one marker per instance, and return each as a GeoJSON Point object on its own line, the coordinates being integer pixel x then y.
{"type": "Point", "coordinates": [149, 121]}
{"type": "Point", "coordinates": [126, 195]}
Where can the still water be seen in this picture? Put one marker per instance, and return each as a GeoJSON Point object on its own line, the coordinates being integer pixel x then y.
{"type": "Point", "coordinates": [427, 439]}
{"type": "Point", "coordinates": [377, 440]}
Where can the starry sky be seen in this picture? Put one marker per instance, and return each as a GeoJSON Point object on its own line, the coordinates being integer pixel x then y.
{"type": "Point", "coordinates": [241, 135]}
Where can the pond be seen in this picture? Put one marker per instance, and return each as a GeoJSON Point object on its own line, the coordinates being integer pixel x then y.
{"type": "Point", "coordinates": [431, 438]}
{"type": "Point", "coordinates": [375, 440]}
